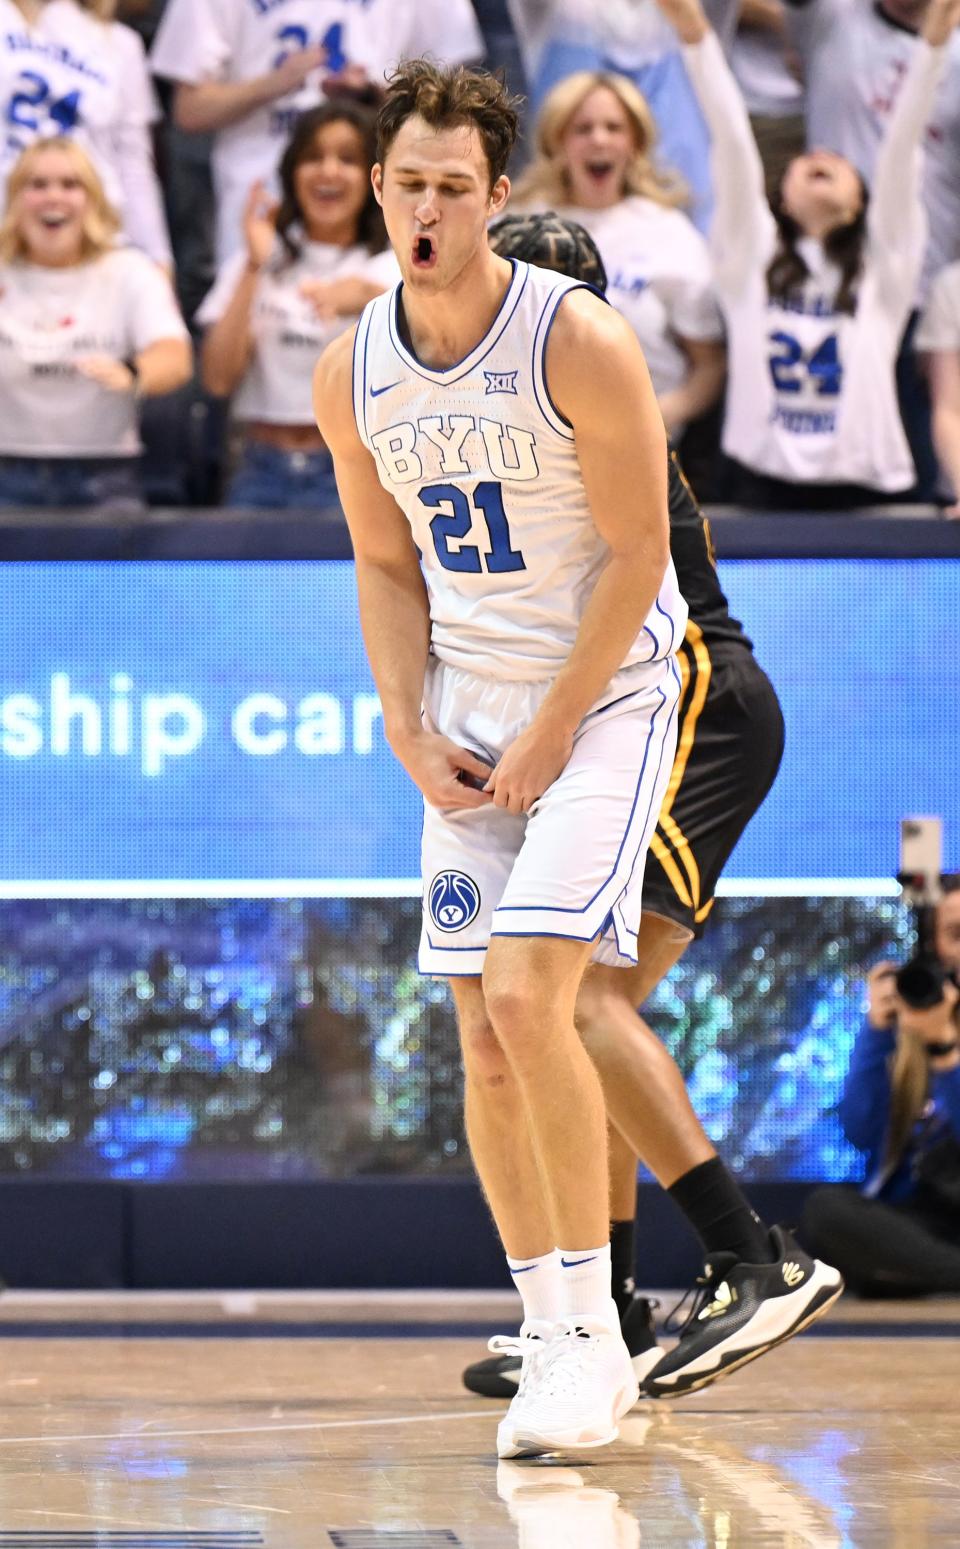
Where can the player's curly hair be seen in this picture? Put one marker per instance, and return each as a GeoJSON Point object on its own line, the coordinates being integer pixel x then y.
{"type": "Point", "coordinates": [447, 97]}
{"type": "Point", "coordinates": [551, 242]}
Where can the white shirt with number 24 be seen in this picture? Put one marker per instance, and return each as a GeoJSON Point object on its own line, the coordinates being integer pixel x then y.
{"type": "Point", "coordinates": [811, 393]}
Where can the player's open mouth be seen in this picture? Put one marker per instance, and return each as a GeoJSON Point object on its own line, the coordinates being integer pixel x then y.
{"type": "Point", "coordinates": [598, 170]}
{"type": "Point", "coordinates": [53, 219]}
{"type": "Point", "coordinates": [424, 253]}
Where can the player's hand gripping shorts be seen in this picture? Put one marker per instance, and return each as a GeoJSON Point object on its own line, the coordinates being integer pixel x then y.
{"type": "Point", "coordinates": [572, 866]}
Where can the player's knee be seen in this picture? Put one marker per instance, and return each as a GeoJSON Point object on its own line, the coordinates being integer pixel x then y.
{"type": "Point", "coordinates": [595, 1002]}
{"type": "Point", "coordinates": [483, 1055]}
{"type": "Point", "coordinates": [516, 1011]}
{"type": "Point", "coordinates": [599, 1015]}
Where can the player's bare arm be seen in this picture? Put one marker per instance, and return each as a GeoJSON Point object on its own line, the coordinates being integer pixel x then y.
{"type": "Point", "coordinates": [394, 613]}
{"type": "Point", "coordinates": [598, 379]}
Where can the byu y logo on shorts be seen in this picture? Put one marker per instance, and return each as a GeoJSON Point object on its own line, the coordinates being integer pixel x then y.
{"type": "Point", "coordinates": [454, 900]}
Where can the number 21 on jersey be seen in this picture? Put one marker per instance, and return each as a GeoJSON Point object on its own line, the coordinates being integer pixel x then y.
{"type": "Point", "coordinates": [454, 521]}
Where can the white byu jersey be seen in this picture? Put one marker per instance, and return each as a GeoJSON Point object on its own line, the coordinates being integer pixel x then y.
{"type": "Point", "coordinates": [485, 468]}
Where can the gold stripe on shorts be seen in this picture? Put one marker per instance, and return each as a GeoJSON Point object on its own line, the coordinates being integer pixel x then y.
{"type": "Point", "coordinates": [670, 836]}
{"type": "Point", "coordinates": [671, 870]}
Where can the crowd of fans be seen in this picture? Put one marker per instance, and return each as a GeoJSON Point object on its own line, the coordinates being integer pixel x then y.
{"type": "Point", "coordinates": [800, 310]}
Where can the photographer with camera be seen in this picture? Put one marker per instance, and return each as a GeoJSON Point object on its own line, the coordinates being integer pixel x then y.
{"type": "Point", "coordinates": [900, 1235]}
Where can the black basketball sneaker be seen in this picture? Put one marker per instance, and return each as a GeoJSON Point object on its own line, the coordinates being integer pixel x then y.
{"type": "Point", "coordinates": [499, 1374]}
{"type": "Point", "coordinates": [741, 1310]}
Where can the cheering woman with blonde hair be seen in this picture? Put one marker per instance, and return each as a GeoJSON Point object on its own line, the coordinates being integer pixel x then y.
{"type": "Point", "coordinates": [87, 328]}
{"type": "Point", "coordinates": [67, 67]}
{"type": "Point", "coordinates": [596, 164]}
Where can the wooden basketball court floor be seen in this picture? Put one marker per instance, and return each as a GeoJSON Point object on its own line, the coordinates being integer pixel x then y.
{"type": "Point", "coordinates": [322, 1422]}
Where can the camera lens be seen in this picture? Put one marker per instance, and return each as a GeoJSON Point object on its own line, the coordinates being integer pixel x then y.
{"type": "Point", "coordinates": [920, 983]}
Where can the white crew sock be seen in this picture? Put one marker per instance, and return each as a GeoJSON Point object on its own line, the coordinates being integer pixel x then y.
{"type": "Point", "coordinates": [538, 1281]}
{"type": "Point", "coordinates": [585, 1284]}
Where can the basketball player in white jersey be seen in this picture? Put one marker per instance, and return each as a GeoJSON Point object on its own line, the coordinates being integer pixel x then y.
{"type": "Point", "coordinates": [521, 617]}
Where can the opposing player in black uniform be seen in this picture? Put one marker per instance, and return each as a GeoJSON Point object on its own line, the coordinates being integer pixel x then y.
{"type": "Point", "coordinates": [758, 1287]}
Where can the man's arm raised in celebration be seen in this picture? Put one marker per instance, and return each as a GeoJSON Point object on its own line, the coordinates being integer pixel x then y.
{"type": "Point", "coordinates": [394, 612]}
{"type": "Point", "coordinates": [599, 381]}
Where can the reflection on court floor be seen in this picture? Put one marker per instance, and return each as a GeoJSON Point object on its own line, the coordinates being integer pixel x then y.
{"type": "Point", "coordinates": [321, 1422]}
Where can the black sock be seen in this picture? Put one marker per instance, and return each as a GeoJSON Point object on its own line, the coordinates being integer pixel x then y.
{"type": "Point", "coordinates": [722, 1218]}
{"type": "Point", "coordinates": [622, 1261]}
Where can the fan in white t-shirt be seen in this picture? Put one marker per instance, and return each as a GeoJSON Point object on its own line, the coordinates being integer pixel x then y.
{"type": "Point", "coordinates": [558, 38]}
{"type": "Point", "coordinates": [817, 291]}
{"type": "Point", "coordinates": [311, 263]}
{"type": "Point", "coordinates": [247, 68]}
{"type": "Point", "coordinates": [67, 68]}
{"type": "Point", "coordinates": [856, 54]}
{"type": "Point", "coordinates": [86, 329]}
{"type": "Point", "coordinates": [594, 164]}
{"type": "Point", "coordinates": [938, 340]}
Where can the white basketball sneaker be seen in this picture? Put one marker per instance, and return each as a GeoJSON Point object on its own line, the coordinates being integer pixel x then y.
{"type": "Point", "coordinates": [584, 1384]}
{"type": "Point", "coordinates": [530, 1345]}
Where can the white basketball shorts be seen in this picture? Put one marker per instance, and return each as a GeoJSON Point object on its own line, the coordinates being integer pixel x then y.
{"type": "Point", "coordinates": [572, 866]}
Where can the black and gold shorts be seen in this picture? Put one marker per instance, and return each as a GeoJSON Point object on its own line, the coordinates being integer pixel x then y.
{"type": "Point", "coordinates": [729, 747]}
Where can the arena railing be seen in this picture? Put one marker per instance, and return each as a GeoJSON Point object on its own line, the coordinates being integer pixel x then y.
{"type": "Point", "coordinates": [207, 533]}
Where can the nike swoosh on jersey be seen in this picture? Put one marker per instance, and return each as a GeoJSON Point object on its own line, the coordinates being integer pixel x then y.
{"type": "Point", "coordinates": [375, 392]}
